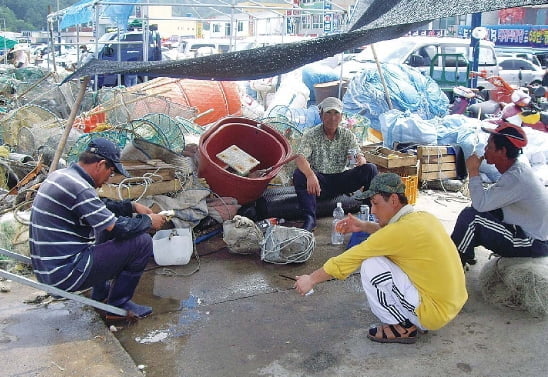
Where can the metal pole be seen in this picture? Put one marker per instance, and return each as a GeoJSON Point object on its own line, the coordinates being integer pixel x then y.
{"type": "Point", "coordinates": [5, 52]}
{"type": "Point", "coordinates": [475, 44]}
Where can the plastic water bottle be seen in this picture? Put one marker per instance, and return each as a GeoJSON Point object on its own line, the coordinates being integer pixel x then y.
{"type": "Point", "coordinates": [338, 214]}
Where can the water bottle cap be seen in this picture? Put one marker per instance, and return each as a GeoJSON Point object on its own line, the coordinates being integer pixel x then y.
{"type": "Point", "coordinates": [339, 204]}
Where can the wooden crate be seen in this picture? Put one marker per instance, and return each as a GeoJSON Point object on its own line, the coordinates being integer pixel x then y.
{"type": "Point", "coordinates": [160, 170]}
{"type": "Point", "coordinates": [436, 163]}
{"type": "Point", "coordinates": [388, 158]}
{"type": "Point", "coordinates": [135, 191]}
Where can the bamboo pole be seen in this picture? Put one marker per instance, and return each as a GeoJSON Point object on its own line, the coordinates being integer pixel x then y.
{"type": "Point", "coordinates": [70, 122]}
{"type": "Point", "coordinates": [379, 68]}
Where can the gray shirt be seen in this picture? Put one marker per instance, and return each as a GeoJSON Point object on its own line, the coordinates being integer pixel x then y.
{"type": "Point", "coordinates": [521, 196]}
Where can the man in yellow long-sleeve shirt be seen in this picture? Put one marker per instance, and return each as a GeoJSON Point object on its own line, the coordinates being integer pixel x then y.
{"type": "Point", "coordinates": [410, 269]}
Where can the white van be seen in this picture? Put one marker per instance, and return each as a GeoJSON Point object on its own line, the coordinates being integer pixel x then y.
{"type": "Point", "coordinates": [445, 59]}
{"type": "Point", "coordinates": [193, 48]}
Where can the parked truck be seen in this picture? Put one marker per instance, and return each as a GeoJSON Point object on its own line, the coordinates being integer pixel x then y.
{"type": "Point", "coordinates": [128, 46]}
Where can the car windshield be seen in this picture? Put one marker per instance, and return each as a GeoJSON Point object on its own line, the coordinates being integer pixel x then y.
{"type": "Point", "coordinates": [390, 51]}
{"type": "Point", "coordinates": [398, 50]}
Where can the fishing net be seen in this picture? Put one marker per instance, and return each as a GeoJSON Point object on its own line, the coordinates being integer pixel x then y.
{"type": "Point", "coordinates": [33, 128]}
{"type": "Point", "coordinates": [122, 105]}
{"type": "Point", "coordinates": [155, 129]}
{"type": "Point", "coordinates": [32, 85]}
{"type": "Point", "coordinates": [283, 245]}
{"type": "Point", "coordinates": [286, 127]}
{"type": "Point", "coordinates": [119, 137]}
{"type": "Point", "coordinates": [517, 282]}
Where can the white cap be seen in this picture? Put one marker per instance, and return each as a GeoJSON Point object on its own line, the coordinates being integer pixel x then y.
{"type": "Point", "coordinates": [331, 103]}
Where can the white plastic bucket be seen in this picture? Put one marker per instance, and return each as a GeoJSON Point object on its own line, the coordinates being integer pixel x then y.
{"type": "Point", "coordinates": [172, 246]}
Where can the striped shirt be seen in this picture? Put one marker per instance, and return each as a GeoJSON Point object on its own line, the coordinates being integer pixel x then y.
{"type": "Point", "coordinates": [324, 155]}
{"type": "Point", "coordinates": [65, 215]}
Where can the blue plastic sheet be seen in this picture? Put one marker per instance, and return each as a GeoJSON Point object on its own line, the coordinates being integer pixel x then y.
{"type": "Point", "coordinates": [408, 88]}
{"type": "Point", "coordinates": [317, 73]}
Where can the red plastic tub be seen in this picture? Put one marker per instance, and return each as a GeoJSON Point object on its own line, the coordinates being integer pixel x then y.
{"type": "Point", "coordinates": [262, 142]}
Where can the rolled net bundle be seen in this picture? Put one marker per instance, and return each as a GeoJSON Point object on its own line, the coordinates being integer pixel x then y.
{"type": "Point", "coordinates": [242, 235]}
{"type": "Point", "coordinates": [517, 282]}
{"type": "Point", "coordinates": [283, 245]}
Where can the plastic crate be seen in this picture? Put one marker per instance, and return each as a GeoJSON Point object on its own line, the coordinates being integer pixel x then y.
{"type": "Point", "coordinates": [411, 188]}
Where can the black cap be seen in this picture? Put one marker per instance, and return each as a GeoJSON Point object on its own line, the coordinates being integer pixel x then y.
{"type": "Point", "coordinates": [108, 150]}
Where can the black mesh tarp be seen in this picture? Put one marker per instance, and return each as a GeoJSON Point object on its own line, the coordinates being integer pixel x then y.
{"type": "Point", "coordinates": [379, 20]}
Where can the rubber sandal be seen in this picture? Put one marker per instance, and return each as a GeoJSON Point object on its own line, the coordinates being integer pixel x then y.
{"type": "Point", "coordinates": [393, 334]}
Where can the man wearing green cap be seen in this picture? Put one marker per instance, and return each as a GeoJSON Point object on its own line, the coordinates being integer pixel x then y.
{"type": "Point", "coordinates": [410, 268]}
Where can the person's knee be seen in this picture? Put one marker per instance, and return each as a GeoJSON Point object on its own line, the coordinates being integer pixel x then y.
{"type": "Point", "coordinates": [372, 266]}
{"type": "Point", "coordinates": [299, 179]}
{"type": "Point", "coordinates": [143, 244]}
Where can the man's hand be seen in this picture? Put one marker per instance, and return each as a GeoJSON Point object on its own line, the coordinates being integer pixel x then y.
{"type": "Point", "coordinates": [350, 224]}
{"type": "Point", "coordinates": [158, 221]}
{"type": "Point", "coordinates": [303, 284]}
{"type": "Point", "coordinates": [473, 164]}
{"type": "Point", "coordinates": [360, 160]}
{"type": "Point", "coordinates": [313, 185]}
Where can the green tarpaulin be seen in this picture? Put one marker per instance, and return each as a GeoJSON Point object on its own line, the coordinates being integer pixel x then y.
{"type": "Point", "coordinates": [6, 43]}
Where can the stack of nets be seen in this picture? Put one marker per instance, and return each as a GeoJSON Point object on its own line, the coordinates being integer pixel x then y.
{"type": "Point", "coordinates": [33, 129]}
{"type": "Point", "coordinates": [122, 105]}
{"type": "Point", "coordinates": [517, 282]}
{"type": "Point", "coordinates": [37, 86]}
{"type": "Point", "coordinates": [283, 245]}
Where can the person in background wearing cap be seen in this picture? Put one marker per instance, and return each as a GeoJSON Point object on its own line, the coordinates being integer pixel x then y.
{"type": "Point", "coordinates": [79, 241]}
{"type": "Point", "coordinates": [509, 218]}
{"type": "Point", "coordinates": [323, 152]}
{"type": "Point", "coordinates": [410, 269]}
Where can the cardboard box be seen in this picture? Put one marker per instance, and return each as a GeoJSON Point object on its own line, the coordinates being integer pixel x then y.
{"type": "Point", "coordinates": [388, 158]}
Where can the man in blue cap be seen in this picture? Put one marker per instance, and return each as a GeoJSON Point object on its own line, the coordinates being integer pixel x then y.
{"type": "Point", "coordinates": [409, 267]}
{"type": "Point", "coordinates": [78, 240]}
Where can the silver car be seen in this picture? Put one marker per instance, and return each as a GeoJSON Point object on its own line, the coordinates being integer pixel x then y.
{"type": "Point", "coordinates": [519, 72]}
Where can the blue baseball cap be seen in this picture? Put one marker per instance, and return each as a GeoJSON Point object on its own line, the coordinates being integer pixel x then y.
{"type": "Point", "coordinates": [108, 150]}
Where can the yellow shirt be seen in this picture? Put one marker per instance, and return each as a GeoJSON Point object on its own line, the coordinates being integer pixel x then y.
{"type": "Point", "coordinates": [421, 247]}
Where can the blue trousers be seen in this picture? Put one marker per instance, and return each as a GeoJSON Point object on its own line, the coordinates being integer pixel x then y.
{"type": "Point", "coordinates": [474, 228]}
{"type": "Point", "coordinates": [332, 185]}
{"type": "Point", "coordinates": [112, 257]}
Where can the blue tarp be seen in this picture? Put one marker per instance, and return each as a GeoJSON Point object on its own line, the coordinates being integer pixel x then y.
{"type": "Point", "coordinates": [82, 13]}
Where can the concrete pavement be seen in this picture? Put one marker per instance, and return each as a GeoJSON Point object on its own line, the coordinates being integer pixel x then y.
{"type": "Point", "coordinates": [238, 316]}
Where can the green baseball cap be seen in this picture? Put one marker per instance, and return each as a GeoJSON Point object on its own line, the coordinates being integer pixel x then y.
{"type": "Point", "coordinates": [385, 182]}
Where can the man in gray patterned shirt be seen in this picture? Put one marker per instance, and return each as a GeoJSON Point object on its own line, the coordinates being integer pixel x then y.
{"type": "Point", "coordinates": [322, 161]}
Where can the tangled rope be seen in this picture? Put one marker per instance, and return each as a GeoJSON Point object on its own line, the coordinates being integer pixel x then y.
{"type": "Point", "coordinates": [283, 245]}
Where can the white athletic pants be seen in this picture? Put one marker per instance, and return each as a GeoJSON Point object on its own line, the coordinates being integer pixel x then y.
{"type": "Point", "coordinates": [391, 295]}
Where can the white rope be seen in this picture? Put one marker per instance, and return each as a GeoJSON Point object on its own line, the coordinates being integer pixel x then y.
{"type": "Point", "coordinates": [283, 245]}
